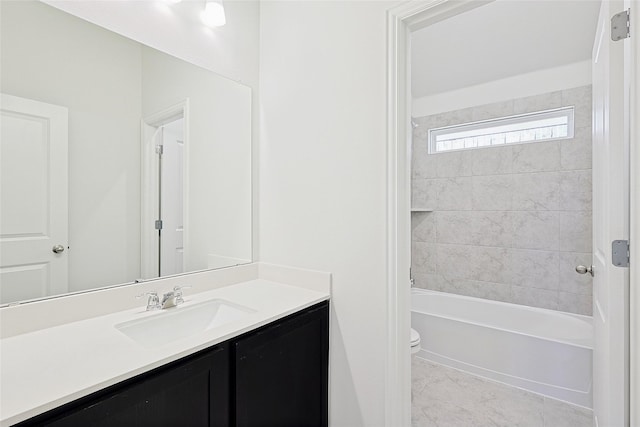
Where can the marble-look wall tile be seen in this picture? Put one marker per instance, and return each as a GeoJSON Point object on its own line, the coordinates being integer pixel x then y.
{"type": "Point", "coordinates": [420, 132]}
{"type": "Point", "coordinates": [453, 164]}
{"type": "Point", "coordinates": [451, 118]}
{"type": "Point", "coordinates": [535, 103]}
{"type": "Point", "coordinates": [425, 281]}
{"type": "Point", "coordinates": [575, 232]}
{"type": "Point", "coordinates": [488, 264]}
{"type": "Point", "coordinates": [575, 303]}
{"type": "Point", "coordinates": [570, 281]}
{"type": "Point", "coordinates": [436, 282]}
{"type": "Point", "coordinates": [492, 228]}
{"type": "Point", "coordinates": [534, 297]}
{"type": "Point", "coordinates": [492, 111]}
{"type": "Point", "coordinates": [533, 269]}
{"type": "Point", "coordinates": [536, 230]}
{"type": "Point", "coordinates": [453, 261]}
{"type": "Point", "coordinates": [424, 193]}
{"type": "Point", "coordinates": [575, 153]}
{"type": "Point", "coordinates": [423, 258]}
{"type": "Point", "coordinates": [477, 263]}
{"type": "Point", "coordinates": [580, 99]}
{"type": "Point", "coordinates": [510, 222]}
{"type": "Point", "coordinates": [536, 157]}
{"type": "Point", "coordinates": [423, 227]}
{"type": "Point", "coordinates": [423, 165]}
{"type": "Point", "coordinates": [492, 161]}
{"type": "Point", "coordinates": [536, 191]}
{"type": "Point", "coordinates": [492, 192]}
{"type": "Point", "coordinates": [455, 227]}
{"type": "Point", "coordinates": [477, 289]}
{"type": "Point", "coordinates": [424, 122]}
{"type": "Point", "coordinates": [575, 190]}
{"type": "Point", "coordinates": [455, 194]}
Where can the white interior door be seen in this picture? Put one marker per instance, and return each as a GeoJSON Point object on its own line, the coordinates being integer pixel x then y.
{"type": "Point", "coordinates": [150, 243]}
{"type": "Point", "coordinates": [163, 192]}
{"type": "Point", "coordinates": [33, 201]}
{"type": "Point", "coordinates": [172, 234]}
{"type": "Point", "coordinates": [610, 222]}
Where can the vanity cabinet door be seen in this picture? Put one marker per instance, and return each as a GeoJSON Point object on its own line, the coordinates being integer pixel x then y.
{"type": "Point", "coordinates": [190, 393]}
{"type": "Point", "coordinates": [281, 372]}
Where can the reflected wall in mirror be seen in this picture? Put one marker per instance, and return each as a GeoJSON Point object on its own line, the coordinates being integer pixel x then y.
{"type": "Point", "coordinates": [118, 162]}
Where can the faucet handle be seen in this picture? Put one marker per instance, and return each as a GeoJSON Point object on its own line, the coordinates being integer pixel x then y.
{"type": "Point", "coordinates": [153, 302]}
{"type": "Point", "coordinates": [178, 293]}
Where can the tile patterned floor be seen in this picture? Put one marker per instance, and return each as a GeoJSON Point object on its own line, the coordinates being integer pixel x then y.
{"type": "Point", "coordinates": [445, 397]}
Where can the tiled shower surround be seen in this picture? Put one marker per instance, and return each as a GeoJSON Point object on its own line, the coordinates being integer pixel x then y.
{"type": "Point", "coordinates": [509, 223]}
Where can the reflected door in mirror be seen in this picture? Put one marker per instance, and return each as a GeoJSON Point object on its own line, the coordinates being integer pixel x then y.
{"type": "Point", "coordinates": [171, 199]}
{"type": "Point", "coordinates": [33, 221]}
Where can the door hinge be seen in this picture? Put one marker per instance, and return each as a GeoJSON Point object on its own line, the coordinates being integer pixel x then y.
{"type": "Point", "coordinates": [158, 224]}
{"type": "Point", "coordinates": [621, 25]}
{"type": "Point", "coordinates": [620, 253]}
{"type": "Point", "coordinates": [159, 149]}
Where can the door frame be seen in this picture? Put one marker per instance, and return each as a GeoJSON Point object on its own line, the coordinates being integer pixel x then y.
{"type": "Point", "coordinates": [634, 217]}
{"type": "Point", "coordinates": [148, 185]}
{"type": "Point", "coordinates": [401, 20]}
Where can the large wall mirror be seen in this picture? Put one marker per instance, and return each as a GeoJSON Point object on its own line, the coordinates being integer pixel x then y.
{"type": "Point", "coordinates": [119, 163]}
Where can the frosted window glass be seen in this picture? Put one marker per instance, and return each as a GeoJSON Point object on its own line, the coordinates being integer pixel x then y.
{"type": "Point", "coordinates": [532, 127]}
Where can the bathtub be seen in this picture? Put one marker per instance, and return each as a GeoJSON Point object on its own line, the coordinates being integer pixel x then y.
{"type": "Point", "coordinates": [543, 351]}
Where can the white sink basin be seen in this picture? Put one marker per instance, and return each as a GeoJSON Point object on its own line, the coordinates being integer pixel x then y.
{"type": "Point", "coordinates": [165, 326]}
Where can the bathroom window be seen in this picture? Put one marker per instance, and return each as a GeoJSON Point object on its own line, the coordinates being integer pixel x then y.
{"type": "Point", "coordinates": [532, 127]}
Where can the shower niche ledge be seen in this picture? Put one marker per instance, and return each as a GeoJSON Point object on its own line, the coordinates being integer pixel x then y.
{"type": "Point", "coordinates": [421, 210]}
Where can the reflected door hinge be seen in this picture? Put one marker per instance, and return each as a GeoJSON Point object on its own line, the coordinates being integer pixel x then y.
{"type": "Point", "coordinates": [158, 224]}
{"type": "Point", "coordinates": [159, 149]}
{"type": "Point", "coordinates": [620, 253]}
{"type": "Point", "coordinates": [621, 25]}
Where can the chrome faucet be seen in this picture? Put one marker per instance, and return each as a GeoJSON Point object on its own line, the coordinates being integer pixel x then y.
{"type": "Point", "coordinates": [178, 291]}
{"type": "Point", "coordinates": [169, 299]}
{"type": "Point", "coordinates": [173, 298]}
{"type": "Point", "coordinates": [153, 303]}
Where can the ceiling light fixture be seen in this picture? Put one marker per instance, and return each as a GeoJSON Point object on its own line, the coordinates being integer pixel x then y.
{"type": "Point", "coordinates": [213, 14]}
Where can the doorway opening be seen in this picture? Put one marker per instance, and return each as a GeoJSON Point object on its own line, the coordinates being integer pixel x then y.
{"type": "Point", "coordinates": [403, 21]}
{"type": "Point", "coordinates": [164, 154]}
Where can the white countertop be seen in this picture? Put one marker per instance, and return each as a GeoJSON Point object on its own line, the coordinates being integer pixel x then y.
{"type": "Point", "coordinates": [44, 369]}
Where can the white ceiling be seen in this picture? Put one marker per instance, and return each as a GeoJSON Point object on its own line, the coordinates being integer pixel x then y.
{"type": "Point", "coordinates": [501, 39]}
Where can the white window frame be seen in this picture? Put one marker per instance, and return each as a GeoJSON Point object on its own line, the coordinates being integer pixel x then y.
{"type": "Point", "coordinates": [503, 121]}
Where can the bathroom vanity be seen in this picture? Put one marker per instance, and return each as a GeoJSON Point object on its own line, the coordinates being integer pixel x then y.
{"type": "Point", "coordinates": [259, 356]}
{"type": "Point", "coordinates": [275, 375]}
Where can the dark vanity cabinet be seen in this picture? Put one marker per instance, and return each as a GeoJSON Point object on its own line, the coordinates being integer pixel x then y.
{"type": "Point", "coordinates": [193, 392]}
{"type": "Point", "coordinates": [276, 375]}
{"type": "Point", "coordinates": [281, 373]}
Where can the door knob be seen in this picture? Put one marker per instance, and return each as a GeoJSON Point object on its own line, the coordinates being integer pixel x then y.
{"type": "Point", "coordinates": [58, 249]}
{"type": "Point", "coordinates": [581, 269]}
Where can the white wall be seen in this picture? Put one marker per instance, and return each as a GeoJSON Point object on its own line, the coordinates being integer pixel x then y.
{"type": "Point", "coordinates": [218, 154]}
{"type": "Point", "coordinates": [45, 57]}
{"type": "Point", "coordinates": [323, 177]}
{"type": "Point", "coordinates": [520, 86]}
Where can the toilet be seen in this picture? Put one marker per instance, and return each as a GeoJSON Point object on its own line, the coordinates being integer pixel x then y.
{"type": "Point", "coordinates": [415, 341]}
